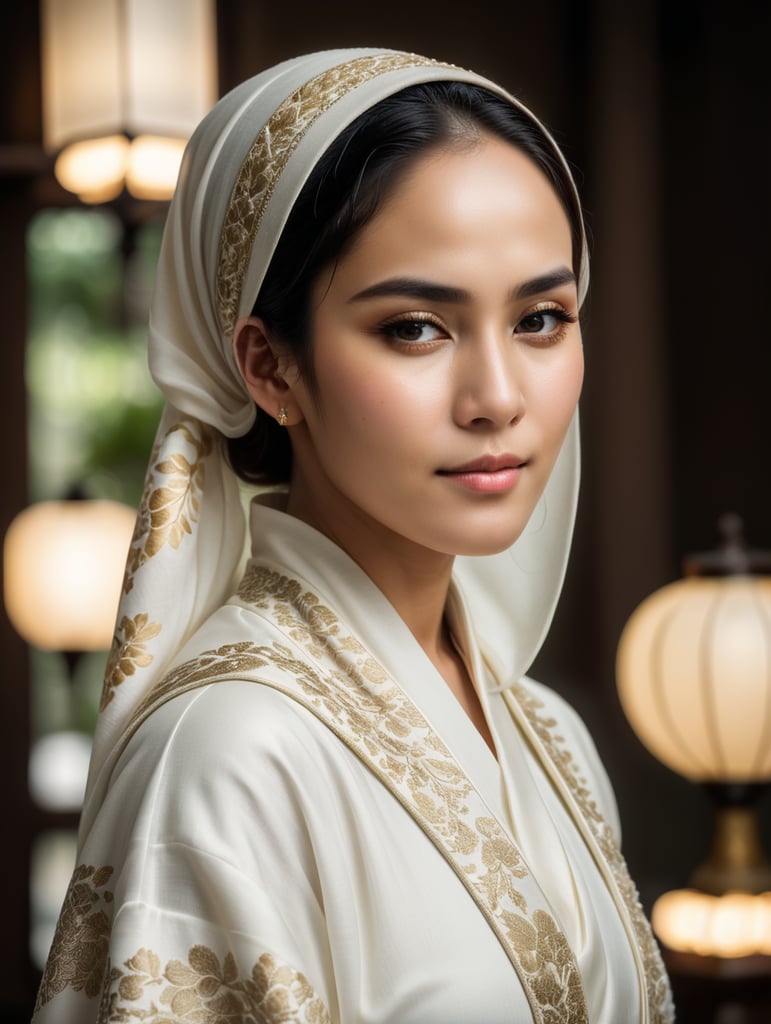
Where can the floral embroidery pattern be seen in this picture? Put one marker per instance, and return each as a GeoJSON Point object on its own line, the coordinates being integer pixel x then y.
{"type": "Point", "coordinates": [659, 996]}
{"type": "Point", "coordinates": [545, 952]}
{"type": "Point", "coordinates": [171, 501]}
{"type": "Point", "coordinates": [205, 991]}
{"type": "Point", "coordinates": [503, 864]}
{"type": "Point", "coordinates": [310, 623]}
{"type": "Point", "coordinates": [201, 990]}
{"type": "Point", "coordinates": [79, 950]}
{"type": "Point", "coordinates": [231, 659]}
{"type": "Point", "coordinates": [128, 652]}
{"type": "Point", "coordinates": [269, 156]}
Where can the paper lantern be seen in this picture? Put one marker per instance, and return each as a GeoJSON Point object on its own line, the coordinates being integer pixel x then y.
{"type": "Point", "coordinates": [693, 670]}
{"type": "Point", "coordinates": [124, 84]}
{"type": "Point", "coordinates": [63, 569]}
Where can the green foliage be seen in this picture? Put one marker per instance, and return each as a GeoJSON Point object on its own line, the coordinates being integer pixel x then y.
{"type": "Point", "coordinates": [93, 405]}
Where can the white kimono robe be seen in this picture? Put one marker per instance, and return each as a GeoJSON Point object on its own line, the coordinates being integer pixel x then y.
{"type": "Point", "coordinates": [304, 825]}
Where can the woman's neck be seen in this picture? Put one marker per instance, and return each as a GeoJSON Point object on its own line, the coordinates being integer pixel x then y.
{"type": "Point", "coordinates": [414, 579]}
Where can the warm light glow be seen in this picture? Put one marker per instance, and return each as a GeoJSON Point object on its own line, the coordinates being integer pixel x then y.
{"type": "Point", "coordinates": [63, 568]}
{"type": "Point", "coordinates": [94, 170]}
{"type": "Point", "coordinates": [58, 769]}
{"type": "Point", "coordinates": [153, 165]}
{"type": "Point", "coordinates": [128, 68]}
{"type": "Point", "coordinates": [694, 677]}
{"type": "Point", "coordinates": [97, 170]}
{"type": "Point", "coordinates": [736, 924]}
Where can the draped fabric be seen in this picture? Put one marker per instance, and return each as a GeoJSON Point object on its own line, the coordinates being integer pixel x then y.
{"type": "Point", "coordinates": [303, 824]}
{"type": "Point", "coordinates": [287, 816]}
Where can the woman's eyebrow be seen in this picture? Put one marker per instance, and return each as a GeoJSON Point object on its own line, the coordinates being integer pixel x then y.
{"type": "Point", "coordinates": [544, 283]}
{"type": "Point", "coordinates": [415, 288]}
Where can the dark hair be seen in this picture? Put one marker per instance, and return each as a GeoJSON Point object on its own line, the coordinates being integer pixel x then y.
{"type": "Point", "coordinates": [353, 178]}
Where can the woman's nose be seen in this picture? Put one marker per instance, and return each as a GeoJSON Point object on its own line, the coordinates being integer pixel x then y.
{"type": "Point", "coordinates": [489, 384]}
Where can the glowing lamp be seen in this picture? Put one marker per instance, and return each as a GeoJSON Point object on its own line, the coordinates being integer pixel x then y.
{"type": "Point", "coordinates": [694, 679]}
{"type": "Point", "coordinates": [730, 926]}
{"type": "Point", "coordinates": [63, 570]}
{"type": "Point", "coordinates": [124, 84]}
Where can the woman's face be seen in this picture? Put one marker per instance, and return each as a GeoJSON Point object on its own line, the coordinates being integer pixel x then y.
{"type": "Point", "coordinates": [448, 361]}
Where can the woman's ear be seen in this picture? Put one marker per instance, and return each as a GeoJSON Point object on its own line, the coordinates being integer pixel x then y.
{"type": "Point", "coordinates": [260, 364]}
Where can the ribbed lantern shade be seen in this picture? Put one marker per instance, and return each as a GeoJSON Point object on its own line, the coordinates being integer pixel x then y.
{"type": "Point", "coordinates": [694, 677]}
{"type": "Point", "coordinates": [693, 670]}
{"type": "Point", "coordinates": [63, 569]}
{"type": "Point", "coordinates": [124, 84]}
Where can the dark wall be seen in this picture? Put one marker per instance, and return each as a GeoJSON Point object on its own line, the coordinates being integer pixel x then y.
{"type": "Point", "coordinates": [19, 163]}
{"type": "Point", "coordinates": [715, 82]}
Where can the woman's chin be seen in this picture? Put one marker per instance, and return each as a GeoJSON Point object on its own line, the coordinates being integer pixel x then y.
{"type": "Point", "coordinates": [485, 543]}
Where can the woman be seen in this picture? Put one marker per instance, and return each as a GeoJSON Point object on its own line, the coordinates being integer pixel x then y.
{"type": "Point", "coordinates": [322, 788]}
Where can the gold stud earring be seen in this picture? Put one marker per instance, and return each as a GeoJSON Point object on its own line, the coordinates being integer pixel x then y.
{"type": "Point", "coordinates": [282, 417]}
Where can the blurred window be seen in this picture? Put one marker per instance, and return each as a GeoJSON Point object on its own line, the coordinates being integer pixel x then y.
{"type": "Point", "coordinates": [93, 411]}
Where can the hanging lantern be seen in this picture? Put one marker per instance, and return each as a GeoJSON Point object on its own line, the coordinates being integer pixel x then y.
{"type": "Point", "coordinates": [63, 570]}
{"type": "Point", "coordinates": [124, 84]}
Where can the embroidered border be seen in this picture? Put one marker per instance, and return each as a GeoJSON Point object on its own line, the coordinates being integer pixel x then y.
{"type": "Point", "coordinates": [172, 495]}
{"type": "Point", "coordinates": [79, 951]}
{"type": "Point", "coordinates": [128, 652]}
{"type": "Point", "coordinates": [203, 989]}
{"type": "Point", "coordinates": [269, 155]}
{"type": "Point", "coordinates": [657, 982]}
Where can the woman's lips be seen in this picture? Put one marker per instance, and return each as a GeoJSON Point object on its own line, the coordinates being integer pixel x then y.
{"type": "Point", "coordinates": [490, 474]}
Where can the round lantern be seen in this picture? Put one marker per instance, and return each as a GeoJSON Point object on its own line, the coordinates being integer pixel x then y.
{"type": "Point", "coordinates": [693, 665]}
{"type": "Point", "coordinates": [63, 568]}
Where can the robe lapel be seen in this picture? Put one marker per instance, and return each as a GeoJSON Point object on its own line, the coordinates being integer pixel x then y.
{"type": "Point", "coordinates": [312, 658]}
{"type": "Point", "coordinates": [557, 761]}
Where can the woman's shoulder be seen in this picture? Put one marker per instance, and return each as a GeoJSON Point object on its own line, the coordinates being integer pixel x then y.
{"type": "Point", "coordinates": [236, 719]}
{"type": "Point", "coordinates": [573, 737]}
{"type": "Point", "coordinates": [215, 695]}
{"type": "Point", "coordinates": [219, 767]}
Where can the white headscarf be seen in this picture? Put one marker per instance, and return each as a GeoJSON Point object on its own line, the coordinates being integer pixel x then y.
{"type": "Point", "coordinates": [242, 171]}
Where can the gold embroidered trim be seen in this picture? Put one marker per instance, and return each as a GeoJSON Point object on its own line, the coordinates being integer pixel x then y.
{"type": "Point", "coordinates": [128, 652]}
{"type": "Point", "coordinates": [230, 659]}
{"type": "Point", "coordinates": [657, 982]}
{"type": "Point", "coordinates": [207, 991]}
{"type": "Point", "coordinates": [269, 155]}
{"type": "Point", "coordinates": [359, 702]}
{"type": "Point", "coordinates": [171, 499]}
{"type": "Point", "coordinates": [200, 990]}
{"type": "Point", "coordinates": [79, 951]}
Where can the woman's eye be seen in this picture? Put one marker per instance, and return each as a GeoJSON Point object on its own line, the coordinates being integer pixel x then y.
{"type": "Point", "coordinates": [413, 331]}
{"type": "Point", "coordinates": [545, 322]}
{"type": "Point", "coordinates": [546, 326]}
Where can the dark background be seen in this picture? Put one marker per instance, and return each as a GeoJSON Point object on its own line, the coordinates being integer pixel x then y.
{"type": "Point", "coordinates": [663, 110]}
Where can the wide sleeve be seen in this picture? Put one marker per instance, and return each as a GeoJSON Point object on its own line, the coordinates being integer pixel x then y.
{"type": "Point", "coordinates": [196, 897]}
